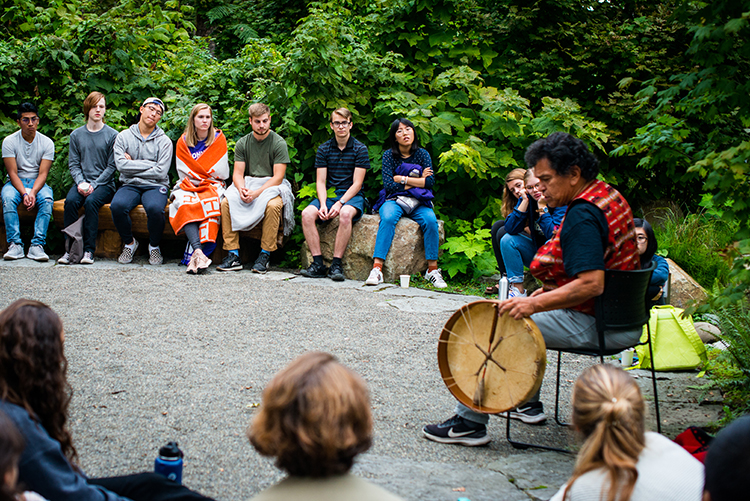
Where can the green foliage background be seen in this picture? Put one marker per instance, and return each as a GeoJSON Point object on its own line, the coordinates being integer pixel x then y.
{"type": "Point", "coordinates": [662, 84]}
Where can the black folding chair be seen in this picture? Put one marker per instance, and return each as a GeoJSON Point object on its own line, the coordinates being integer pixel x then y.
{"type": "Point", "coordinates": [622, 306]}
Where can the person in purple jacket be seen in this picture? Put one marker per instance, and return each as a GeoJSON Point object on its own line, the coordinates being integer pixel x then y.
{"type": "Point", "coordinates": [35, 395]}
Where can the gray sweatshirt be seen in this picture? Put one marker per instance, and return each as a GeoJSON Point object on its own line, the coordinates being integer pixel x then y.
{"type": "Point", "coordinates": [151, 157]}
{"type": "Point", "coordinates": [90, 156]}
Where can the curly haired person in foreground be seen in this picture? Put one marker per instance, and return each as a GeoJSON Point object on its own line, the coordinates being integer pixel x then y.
{"type": "Point", "coordinates": [315, 419]}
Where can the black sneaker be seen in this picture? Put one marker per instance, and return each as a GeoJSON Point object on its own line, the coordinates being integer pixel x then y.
{"type": "Point", "coordinates": [336, 273]}
{"type": "Point", "coordinates": [261, 264]}
{"type": "Point", "coordinates": [529, 413]}
{"type": "Point", "coordinates": [230, 263]}
{"type": "Point", "coordinates": [315, 270]}
{"type": "Point", "coordinates": [457, 430]}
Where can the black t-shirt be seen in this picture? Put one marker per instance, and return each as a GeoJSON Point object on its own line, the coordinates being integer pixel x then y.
{"type": "Point", "coordinates": [583, 238]}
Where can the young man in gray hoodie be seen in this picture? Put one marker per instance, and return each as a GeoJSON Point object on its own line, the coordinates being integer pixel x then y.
{"type": "Point", "coordinates": [143, 153]}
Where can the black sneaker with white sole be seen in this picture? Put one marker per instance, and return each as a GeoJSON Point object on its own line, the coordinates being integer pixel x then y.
{"type": "Point", "coordinates": [230, 263]}
{"type": "Point", "coordinates": [529, 413]}
{"type": "Point", "coordinates": [457, 430]}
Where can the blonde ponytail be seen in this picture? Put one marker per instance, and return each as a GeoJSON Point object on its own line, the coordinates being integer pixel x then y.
{"type": "Point", "coordinates": [608, 410]}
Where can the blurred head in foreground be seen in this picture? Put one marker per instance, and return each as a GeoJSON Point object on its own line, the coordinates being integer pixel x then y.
{"type": "Point", "coordinates": [727, 463]}
{"type": "Point", "coordinates": [315, 417]}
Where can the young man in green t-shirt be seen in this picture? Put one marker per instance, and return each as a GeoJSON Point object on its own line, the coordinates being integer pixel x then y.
{"type": "Point", "coordinates": [260, 161]}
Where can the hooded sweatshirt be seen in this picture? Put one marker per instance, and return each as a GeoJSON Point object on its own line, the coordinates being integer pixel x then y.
{"type": "Point", "coordinates": [151, 157]}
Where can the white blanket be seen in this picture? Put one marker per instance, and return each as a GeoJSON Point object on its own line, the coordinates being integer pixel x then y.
{"type": "Point", "coordinates": [247, 216]}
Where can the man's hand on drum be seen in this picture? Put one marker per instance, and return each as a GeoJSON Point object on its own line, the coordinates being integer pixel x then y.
{"type": "Point", "coordinates": [519, 307]}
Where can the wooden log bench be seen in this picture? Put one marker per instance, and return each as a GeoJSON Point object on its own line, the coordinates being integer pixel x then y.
{"type": "Point", "coordinates": [109, 243]}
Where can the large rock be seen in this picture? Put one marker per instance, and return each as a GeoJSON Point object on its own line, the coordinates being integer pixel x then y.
{"type": "Point", "coordinates": [683, 288]}
{"type": "Point", "coordinates": [708, 332]}
{"type": "Point", "coordinates": [406, 256]}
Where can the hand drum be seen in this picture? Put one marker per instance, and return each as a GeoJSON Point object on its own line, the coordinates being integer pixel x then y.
{"type": "Point", "coordinates": [491, 364]}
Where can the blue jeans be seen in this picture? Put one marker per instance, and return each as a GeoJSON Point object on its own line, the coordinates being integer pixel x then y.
{"type": "Point", "coordinates": [518, 251]}
{"type": "Point", "coordinates": [11, 199]}
{"type": "Point", "coordinates": [390, 213]}
{"type": "Point", "coordinates": [154, 200]}
{"type": "Point", "coordinates": [91, 204]}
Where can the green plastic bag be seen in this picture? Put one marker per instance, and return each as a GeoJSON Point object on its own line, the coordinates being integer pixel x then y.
{"type": "Point", "coordinates": [676, 344]}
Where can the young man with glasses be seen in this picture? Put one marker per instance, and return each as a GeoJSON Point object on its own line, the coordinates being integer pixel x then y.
{"type": "Point", "coordinates": [143, 154]}
{"type": "Point", "coordinates": [27, 155]}
{"type": "Point", "coordinates": [341, 163]}
{"type": "Point", "coordinates": [259, 192]}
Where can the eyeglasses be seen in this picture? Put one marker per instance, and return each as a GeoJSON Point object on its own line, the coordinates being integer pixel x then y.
{"type": "Point", "coordinates": [642, 238]}
{"type": "Point", "coordinates": [340, 125]}
{"type": "Point", "coordinates": [30, 120]}
{"type": "Point", "coordinates": [153, 109]}
{"type": "Point", "coordinates": [400, 132]}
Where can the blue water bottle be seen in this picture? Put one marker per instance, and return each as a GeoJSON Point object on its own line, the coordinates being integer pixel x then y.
{"type": "Point", "coordinates": [169, 462]}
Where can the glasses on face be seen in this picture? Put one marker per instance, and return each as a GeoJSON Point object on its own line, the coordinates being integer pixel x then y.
{"type": "Point", "coordinates": [30, 120]}
{"type": "Point", "coordinates": [401, 132]}
{"type": "Point", "coordinates": [642, 238]}
{"type": "Point", "coordinates": [340, 125]}
{"type": "Point", "coordinates": [533, 188]}
{"type": "Point", "coordinates": [154, 109]}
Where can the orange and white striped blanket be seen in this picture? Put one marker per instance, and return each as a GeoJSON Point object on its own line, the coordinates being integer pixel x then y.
{"type": "Point", "coordinates": [197, 197]}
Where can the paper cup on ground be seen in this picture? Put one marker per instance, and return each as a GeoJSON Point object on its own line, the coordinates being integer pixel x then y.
{"type": "Point", "coordinates": [404, 281]}
{"type": "Point", "coordinates": [627, 358]}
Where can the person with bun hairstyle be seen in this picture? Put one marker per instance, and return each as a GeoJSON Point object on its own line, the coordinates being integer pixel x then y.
{"type": "Point", "coordinates": [315, 419]}
{"type": "Point", "coordinates": [35, 395]}
{"type": "Point", "coordinates": [619, 460]}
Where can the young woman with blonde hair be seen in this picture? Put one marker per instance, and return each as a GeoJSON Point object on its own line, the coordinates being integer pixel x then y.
{"type": "Point", "coordinates": [202, 165]}
{"type": "Point", "coordinates": [619, 461]}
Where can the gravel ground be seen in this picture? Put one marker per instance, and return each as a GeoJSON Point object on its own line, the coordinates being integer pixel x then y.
{"type": "Point", "coordinates": [157, 355]}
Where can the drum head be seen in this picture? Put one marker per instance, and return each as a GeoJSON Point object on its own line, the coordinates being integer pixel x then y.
{"type": "Point", "coordinates": [491, 364]}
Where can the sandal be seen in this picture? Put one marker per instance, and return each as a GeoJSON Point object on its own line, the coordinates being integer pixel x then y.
{"type": "Point", "coordinates": [491, 290]}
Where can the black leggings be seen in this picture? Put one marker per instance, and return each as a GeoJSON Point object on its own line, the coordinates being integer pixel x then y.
{"type": "Point", "coordinates": [147, 487]}
{"type": "Point", "coordinates": [192, 232]}
{"type": "Point", "coordinates": [496, 233]}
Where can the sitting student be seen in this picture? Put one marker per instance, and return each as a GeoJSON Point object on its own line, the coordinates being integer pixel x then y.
{"type": "Point", "coordinates": [27, 155]}
{"type": "Point", "coordinates": [260, 192]}
{"type": "Point", "coordinates": [11, 447]}
{"type": "Point", "coordinates": [341, 162]}
{"type": "Point", "coordinates": [92, 164]}
{"type": "Point", "coordinates": [315, 419]}
{"type": "Point", "coordinates": [202, 166]}
{"type": "Point", "coordinates": [527, 227]}
{"type": "Point", "coordinates": [618, 460]}
{"type": "Point", "coordinates": [727, 463]}
{"type": "Point", "coordinates": [513, 185]}
{"type": "Point", "coordinates": [143, 153]}
{"type": "Point", "coordinates": [647, 247]}
{"type": "Point", "coordinates": [408, 179]}
{"type": "Point", "coordinates": [35, 394]}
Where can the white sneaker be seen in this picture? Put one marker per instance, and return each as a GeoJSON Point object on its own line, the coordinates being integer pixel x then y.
{"type": "Point", "coordinates": [514, 292]}
{"type": "Point", "coordinates": [154, 256]}
{"type": "Point", "coordinates": [64, 259]}
{"type": "Point", "coordinates": [88, 258]}
{"type": "Point", "coordinates": [375, 278]}
{"type": "Point", "coordinates": [15, 251]}
{"type": "Point", "coordinates": [436, 278]}
{"type": "Point", "coordinates": [127, 254]}
{"type": "Point", "coordinates": [36, 252]}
